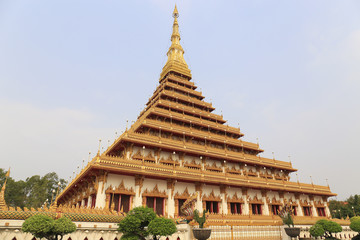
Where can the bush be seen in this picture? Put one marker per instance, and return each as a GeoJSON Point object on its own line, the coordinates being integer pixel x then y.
{"type": "Point", "coordinates": [355, 225]}
{"type": "Point", "coordinates": [332, 227]}
{"type": "Point", "coordinates": [161, 227]}
{"type": "Point", "coordinates": [317, 230]}
{"type": "Point", "coordinates": [42, 226]}
{"type": "Point", "coordinates": [133, 226]}
{"type": "Point", "coordinates": [329, 228]}
{"type": "Point", "coordinates": [38, 225]}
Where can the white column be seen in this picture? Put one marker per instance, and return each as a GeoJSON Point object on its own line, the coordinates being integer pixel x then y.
{"type": "Point", "coordinates": [266, 207]}
{"type": "Point", "coordinates": [100, 196]}
{"type": "Point", "coordinates": [246, 206]}
{"type": "Point", "coordinates": [89, 201]}
{"type": "Point", "coordinates": [170, 204]}
{"type": "Point", "coordinates": [199, 204]}
{"type": "Point", "coordinates": [314, 211]}
{"type": "Point", "coordinates": [299, 208]}
{"type": "Point", "coordinates": [327, 210]}
{"type": "Point", "coordinates": [224, 206]}
{"type": "Point", "coordinates": [137, 197]}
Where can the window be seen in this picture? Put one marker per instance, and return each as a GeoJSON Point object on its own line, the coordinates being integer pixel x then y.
{"type": "Point", "coordinates": [275, 209]}
{"type": "Point", "coordinates": [85, 202]}
{"type": "Point", "coordinates": [156, 203]}
{"type": "Point", "coordinates": [321, 212]}
{"type": "Point", "coordinates": [212, 206]}
{"type": "Point", "coordinates": [256, 209]}
{"type": "Point", "coordinates": [121, 202]}
{"type": "Point", "coordinates": [181, 202]}
{"type": "Point", "coordinates": [307, 211]}
{"type": "Point", "coordinates": [235, 208]}
{"type": "Point", "coordinates": [294, 210]}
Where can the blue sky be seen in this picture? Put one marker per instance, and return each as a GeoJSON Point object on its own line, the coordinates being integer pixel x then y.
{"type": "Point", "coordinates": [72, 72]}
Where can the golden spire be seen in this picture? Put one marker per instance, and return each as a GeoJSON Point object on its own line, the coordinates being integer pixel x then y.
{"type": "Point", "coordinates": [176, 62]}
{"type": "Point", "coordinates": [3, 205]}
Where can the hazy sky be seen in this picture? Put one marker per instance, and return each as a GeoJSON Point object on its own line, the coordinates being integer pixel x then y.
{"type": "Point", "coordinates": [288, 72]}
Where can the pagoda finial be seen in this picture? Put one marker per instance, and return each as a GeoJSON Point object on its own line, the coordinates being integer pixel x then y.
{"type": "Point", "coordinates": [176, 62]}
{"type": "Point", "coordinates": [3, 205]}
{"type": "Point", "coordinates": [175, 13]}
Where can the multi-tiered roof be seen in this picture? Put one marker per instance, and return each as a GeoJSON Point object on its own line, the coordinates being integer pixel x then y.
{"type": "Point", "coordinates": [178, 120]}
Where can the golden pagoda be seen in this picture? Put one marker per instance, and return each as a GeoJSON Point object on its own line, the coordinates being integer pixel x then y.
{"type": "Point", "coordinates": [178, 148]}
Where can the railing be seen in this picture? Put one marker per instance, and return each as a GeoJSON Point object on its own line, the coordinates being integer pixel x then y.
{"type": "Point", "coordinates": [181, 172]}
{"type": "Point", "coordinates": [187, 99]}
{"type": "Point", "coordinates": [185, 82]}
{"type": "Point", "coordinates": [196, 120]}
{"type": "Point", "coordinates": [215, 152]}
{"type": "Point", "coordinates": [190, 110]}
{"type": "Point", "coordinates": [185, 89]}
{"type": "Point", "coordinates": [198, 133]}
{"type": "Point", "coordinates": [245, 233]}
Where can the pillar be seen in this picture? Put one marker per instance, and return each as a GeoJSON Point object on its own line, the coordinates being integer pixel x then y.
{"type": "Point", "coordinates": [224, 205]}
{"type": "Point", "coordinates": [139, 180]}
{"type": "Point", "coordinates": [170, 200]}
{"type": "Point", "coordinates": [100, 195]}
{"type": "Point", "coordinates": [246, 202]}
{"type": "Point", "coordinates": [198, 189]}
{"type": "Point", "coordinates": [266, 205]}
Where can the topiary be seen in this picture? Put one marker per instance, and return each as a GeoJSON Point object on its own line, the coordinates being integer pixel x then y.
{"type": "Point", "coordinates": [63, 226]}
{"type": "Point", "coordinates": [355, 226]}
{"type": "Point", "coordinates": [161, 227]}
{"type": "Point", "coordinates": [332, 227]}
{"type": "Point", "coordinates": [42, 226]}
{"type": "Point", "coordinates": [38, 225]}
{"type": "Point", "coordinates": [329, 227]}
{"type": "Point", "coordinates": [317, 230]}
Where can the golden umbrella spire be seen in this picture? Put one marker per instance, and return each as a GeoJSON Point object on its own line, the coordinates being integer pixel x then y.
{"type": "Point", "coordinates": [176, 62]}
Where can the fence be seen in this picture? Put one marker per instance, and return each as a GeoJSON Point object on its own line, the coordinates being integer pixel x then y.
{"type": "Point", "coordinates": [245, 233]}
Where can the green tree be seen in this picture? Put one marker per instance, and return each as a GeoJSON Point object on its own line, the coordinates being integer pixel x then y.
{"type": "Point", "coordinates": [161, 227]}
{"type": "Point", "coordinates": [343, 209]}
{"type": "Point", "coordinates": [32, 192]}
{"type": "Point", "coordinates": [329, 227]}
{"type": "Point", "coordinates": [317, 231]}
{"type": "Point", "coordinates": [42, 226]}
{"type": "Point", "coordinates": [355, 226]}
{"type": "Point", "coordinates": [133, 225]}
{"type": "Point", "coordinates": [141, 222]}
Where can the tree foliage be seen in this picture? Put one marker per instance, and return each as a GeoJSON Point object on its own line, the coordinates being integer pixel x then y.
{"type": "Point", "coordinates": [32, 192]}
{"type": "Point", "coordinates": [317, 230]}
{"type": "Point", "coordinates": [161, 227]}
{"type": "Point", "coordinates": [42, 226]}
{"type": "Point", "coordinates": [343, 209]}
{"type": "Point", "coordinates": [141, 222]}
{"type": "Point", "coordinates": [326, 227]}
{"type": "Point", "coordinates": [355, 226]}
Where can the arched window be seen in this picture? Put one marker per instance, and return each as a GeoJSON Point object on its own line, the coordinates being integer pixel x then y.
{"type": "Point", "coordinates": [14, 238]}
{"type": "Point", "coordinates": [85, 238]}
{"type": "Point", "coordinates": [178, 238]}
{"type": "Point", "coordinates": [33, 238]}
